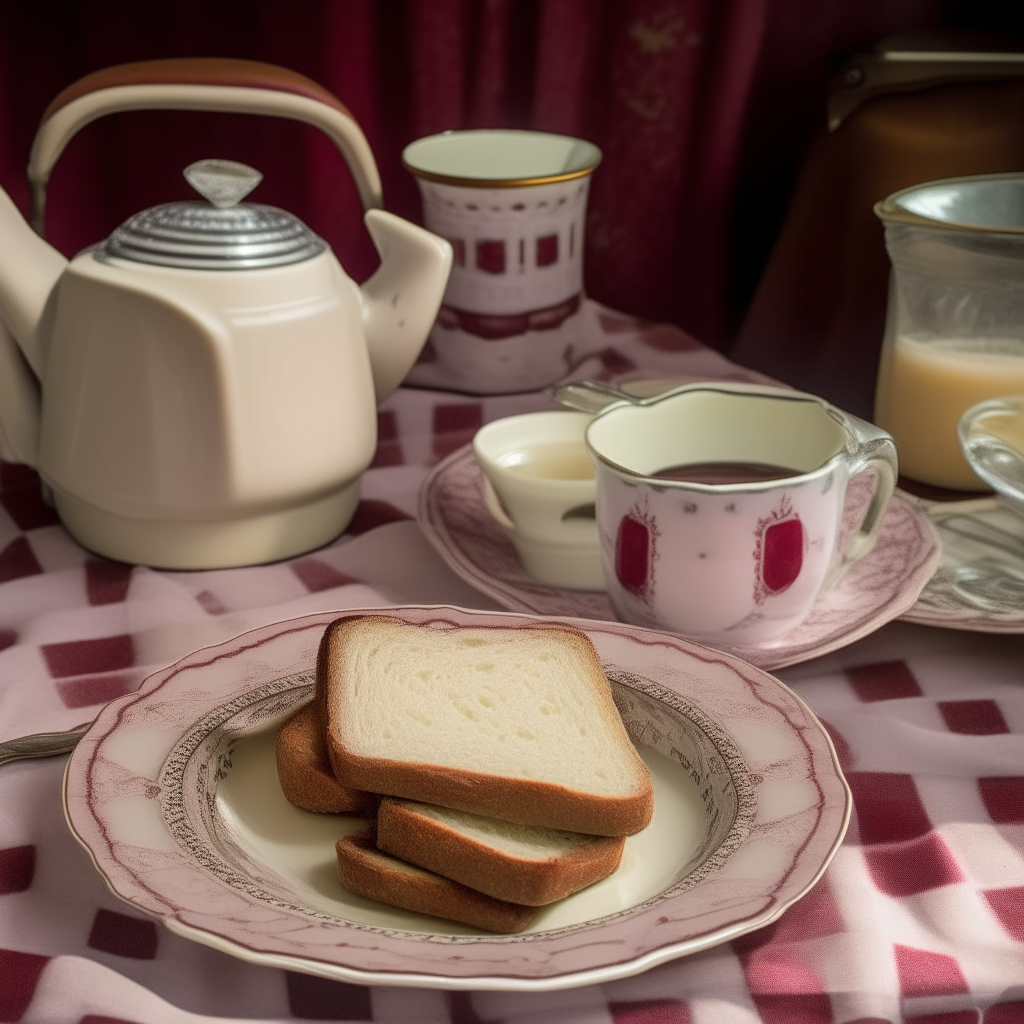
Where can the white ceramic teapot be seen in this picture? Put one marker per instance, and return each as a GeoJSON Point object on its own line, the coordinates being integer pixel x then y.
{"type": "Point", "coordinates": [200, 390]}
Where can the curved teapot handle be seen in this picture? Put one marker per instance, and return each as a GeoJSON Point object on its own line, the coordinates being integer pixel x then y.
{"type": "Point", "coordinates": [199, 83]}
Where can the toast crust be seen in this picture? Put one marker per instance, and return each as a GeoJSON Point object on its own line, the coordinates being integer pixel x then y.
{"type": "Point", "coordinates": [528, 803]}
{"type": "Point", "coordinates": [523, 801]}
{"type": "Point", "coordinates": [305, 772]}
{"type": "Point", "coordinates": [436, 846]}
{"type": "Point", "coordinates": [365, 871]}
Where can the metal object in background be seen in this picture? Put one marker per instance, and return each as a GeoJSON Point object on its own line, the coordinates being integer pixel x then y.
{"type": "Point", "coordinates": [906, 63]}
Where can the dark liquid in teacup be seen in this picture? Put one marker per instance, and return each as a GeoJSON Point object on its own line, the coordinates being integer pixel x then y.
{"type": "Point", "coordinates": [725, 472]}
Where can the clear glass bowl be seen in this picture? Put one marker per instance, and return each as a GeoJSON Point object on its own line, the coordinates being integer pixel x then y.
{"type": "Point", "coordinates": [992, 438]}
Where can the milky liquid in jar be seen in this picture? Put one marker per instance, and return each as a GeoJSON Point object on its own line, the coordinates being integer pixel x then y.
{"type": "Point", "coordinates": [924, 387]}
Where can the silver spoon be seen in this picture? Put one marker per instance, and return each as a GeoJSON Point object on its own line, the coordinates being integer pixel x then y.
{"type": "Point", "coordinates": [589, 395]}
{"type": "Point", "coordinates": [594, 395]}
{"type": "Point", "coordinates": [42, 744]}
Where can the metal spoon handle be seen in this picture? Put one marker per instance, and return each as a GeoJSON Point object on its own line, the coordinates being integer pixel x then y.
{"type": "Point", "coordinates": [589, 395]}
{"type": "Point", "coordinates": [594, 395]}
{"type": "Point", "coordinates": [41, 744]}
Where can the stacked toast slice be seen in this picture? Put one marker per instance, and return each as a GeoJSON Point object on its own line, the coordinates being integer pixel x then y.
{"type": "Point", "coordinates": [504, 776]}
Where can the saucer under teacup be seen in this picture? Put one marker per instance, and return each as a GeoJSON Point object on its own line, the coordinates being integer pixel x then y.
{"type": "Point", "coordinates": [879, 588]}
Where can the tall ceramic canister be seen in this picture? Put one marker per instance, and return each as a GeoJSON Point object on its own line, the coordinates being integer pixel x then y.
{"type": "Point", "coordinates": [513, 205]}
{"type": "Point", "coordinates": [955, 323]}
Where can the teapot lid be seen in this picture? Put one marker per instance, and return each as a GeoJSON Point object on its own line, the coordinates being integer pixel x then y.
{"type": "Point", "coordinates": [221, 234]}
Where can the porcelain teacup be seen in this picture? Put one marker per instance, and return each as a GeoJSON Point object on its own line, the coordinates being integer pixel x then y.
{"type": "Point", "coordinates": [719, 506]}
{"type": "Point", "coordinates": [539, 487]}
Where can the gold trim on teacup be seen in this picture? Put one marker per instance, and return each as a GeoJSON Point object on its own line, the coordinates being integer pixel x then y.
{"type": "Point", "coordinates": [451, 179]}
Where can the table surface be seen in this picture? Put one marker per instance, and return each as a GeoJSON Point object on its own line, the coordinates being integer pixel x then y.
{"type": "Point", "coordinates": [919, 917]}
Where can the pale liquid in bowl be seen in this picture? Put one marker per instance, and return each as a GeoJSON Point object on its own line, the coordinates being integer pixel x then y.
{"type": "Point", "coordinates": [1008, 428]}
{"type": "Point", "coordinates": [553, 460]}
{"type": "Point", "coordinates": [923, 390]}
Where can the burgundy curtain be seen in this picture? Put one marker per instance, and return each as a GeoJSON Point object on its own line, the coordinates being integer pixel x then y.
{"type": "Point", "coordinates": [703, 109]}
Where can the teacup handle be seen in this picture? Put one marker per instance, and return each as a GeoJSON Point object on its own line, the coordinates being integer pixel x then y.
{"type": "Point", "coordinates": [199, 83]}
{"type": "Point", "coordinates": [873, 449]}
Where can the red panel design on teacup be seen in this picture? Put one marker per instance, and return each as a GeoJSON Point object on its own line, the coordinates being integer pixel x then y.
{"type": "Point", "coordinates": [779, 551]}
{"type": "Point", "coordinates": [490, 256]}
{"type": "Point", "coordinates": [635, 552]}
{"type": "Point", "coordinates": [783, 554]}
{"type": "Point", "coordinates": [547, 250]}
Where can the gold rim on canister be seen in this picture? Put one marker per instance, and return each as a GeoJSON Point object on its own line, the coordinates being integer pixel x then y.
{"type": "Point", "coordinates": [516, 182]}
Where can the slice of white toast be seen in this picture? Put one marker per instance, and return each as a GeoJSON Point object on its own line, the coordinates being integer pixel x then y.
{"type": "Point", "coordinates": [515, 723]}
{"type": "Point", "coordinates": [366, 871]}
{"type": "Point", "coordinates": [525, 864]}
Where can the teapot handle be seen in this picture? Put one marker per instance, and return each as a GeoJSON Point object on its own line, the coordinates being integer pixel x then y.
{"type": "Point", "coordinates": [199, 83]}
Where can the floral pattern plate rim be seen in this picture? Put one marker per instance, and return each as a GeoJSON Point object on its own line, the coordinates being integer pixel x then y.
{"type": "Point", "coordinates": [172, 792]}
{"type": "Point", "coordinates": [881, 587]}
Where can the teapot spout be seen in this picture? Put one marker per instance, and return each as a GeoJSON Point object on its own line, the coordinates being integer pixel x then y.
{"type": "Point", "coordinates": [400, 301]}
{"type": "Point", "coordinates": [29, 269]}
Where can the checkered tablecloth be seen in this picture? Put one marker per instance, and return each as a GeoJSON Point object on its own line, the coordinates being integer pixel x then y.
{"type": "Point", "coordinates": [920, 916]}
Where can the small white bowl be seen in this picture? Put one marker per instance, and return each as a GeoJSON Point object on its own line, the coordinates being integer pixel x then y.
{"type": "Point", "coordinates": [992, 438]}
{"type": "Point", "coordinates": [548, 515]}
{"type": "Point", "coordinates": [572, 565]}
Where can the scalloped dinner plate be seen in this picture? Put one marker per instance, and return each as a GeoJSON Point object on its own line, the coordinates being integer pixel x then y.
{"type": "Point", "coordinates": [174, 793]}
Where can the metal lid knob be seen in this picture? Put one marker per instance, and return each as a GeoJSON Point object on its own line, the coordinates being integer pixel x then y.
{"type": "Point", "coordinates": [221, 234]}
{"type": "Point", "coordinates": [224, 183]}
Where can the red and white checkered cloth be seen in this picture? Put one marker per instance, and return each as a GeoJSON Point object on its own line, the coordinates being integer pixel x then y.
{"type": "Point", "coordinates": [920, 916]}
